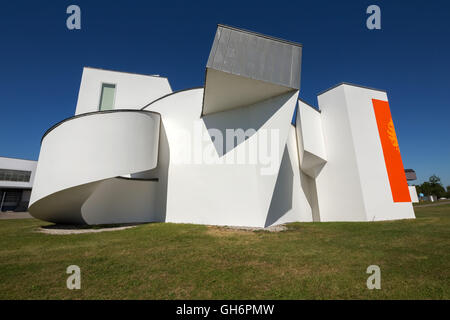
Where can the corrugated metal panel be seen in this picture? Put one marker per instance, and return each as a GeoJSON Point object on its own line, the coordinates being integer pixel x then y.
{"type": "Point", "coordinates": [214, 46]}
{"type": "Point", "coordinates": [296, 67]}
{"type": "Point", "coordinates": [256, 56]}
{"type": "Point", "coordinates": [219, 55]}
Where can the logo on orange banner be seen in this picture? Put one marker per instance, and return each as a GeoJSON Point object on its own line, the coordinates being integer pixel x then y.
{"type": "Point", "coordinates": [391, 152]}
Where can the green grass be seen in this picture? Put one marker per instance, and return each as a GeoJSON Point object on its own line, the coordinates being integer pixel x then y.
{"type": "Point", "coordinates": [176, 261]}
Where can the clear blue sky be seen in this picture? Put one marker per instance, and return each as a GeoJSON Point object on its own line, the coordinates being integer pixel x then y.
{"type": "Point", "coordinates": [41, 60]}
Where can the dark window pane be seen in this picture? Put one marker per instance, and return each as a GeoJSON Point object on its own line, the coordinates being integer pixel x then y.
{"type": "Point", "coordinates": [15, 175]}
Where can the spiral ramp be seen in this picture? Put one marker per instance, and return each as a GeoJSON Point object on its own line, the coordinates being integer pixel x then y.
{"type": "Point", "coordinates": [85, 165]}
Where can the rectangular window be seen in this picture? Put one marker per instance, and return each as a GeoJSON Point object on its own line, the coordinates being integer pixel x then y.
{"type": "Point", "coordinates": [15, 175]}
{"type": "Point", "coordinates": [107, 96]}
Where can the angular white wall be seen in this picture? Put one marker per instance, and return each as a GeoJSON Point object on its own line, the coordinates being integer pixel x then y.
{"type": "Point", "coordinates": [311, 150]}
{"type": "Point", "coordinates": [413, 194]}
{"type": "Point", "coordinates": [354, 184]}
{"type": "Point", "coordinates": [207, 192]}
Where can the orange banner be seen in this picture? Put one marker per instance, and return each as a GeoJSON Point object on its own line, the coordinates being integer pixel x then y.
{"type": "Point", "coordinates": [391, 152]}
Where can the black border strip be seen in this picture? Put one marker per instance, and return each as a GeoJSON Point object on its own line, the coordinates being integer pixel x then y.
{"type": "Point", "coordinates": [137, 179]}
{"type": "Point", "coordinates": [176, 309]}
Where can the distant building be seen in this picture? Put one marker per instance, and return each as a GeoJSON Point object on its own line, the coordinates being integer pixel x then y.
{"type": "Point", "coordinates": [16, 181]}
{"type": "Point", "coordinates": [410, 175]}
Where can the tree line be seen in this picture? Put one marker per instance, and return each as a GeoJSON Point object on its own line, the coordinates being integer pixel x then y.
{"type": "Point", "coordinates": [433, 187]}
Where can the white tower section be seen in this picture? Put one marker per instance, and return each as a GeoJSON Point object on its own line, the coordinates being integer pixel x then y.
{"type": "Point", "coordinates": [127, 90]}
{"type": "Point", "coordinates": [354, 185]}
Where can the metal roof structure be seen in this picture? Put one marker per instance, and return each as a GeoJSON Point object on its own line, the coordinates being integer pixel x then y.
{"type": "Point", "coordinates": [256, 56]}
{"type": "Point", "coordinates": [410, 174]}
{"type": "Point", "coordinates": [252, 66]}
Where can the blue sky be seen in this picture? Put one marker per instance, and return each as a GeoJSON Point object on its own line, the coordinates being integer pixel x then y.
{"type": "Point", "coordinates": [41, 60]}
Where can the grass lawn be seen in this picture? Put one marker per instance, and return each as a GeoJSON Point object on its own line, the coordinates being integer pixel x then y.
{"type": "Point", "coordinates": [176, 261]}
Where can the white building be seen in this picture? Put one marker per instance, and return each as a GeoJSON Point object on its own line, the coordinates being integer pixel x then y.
{"type": "Point", "coordinates": [16, 180]}
{"type": "Point", "coordinates": [225, 153]}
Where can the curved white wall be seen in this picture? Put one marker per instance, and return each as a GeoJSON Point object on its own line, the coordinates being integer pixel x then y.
{"type": "Point", "coordinates": [83, 152]}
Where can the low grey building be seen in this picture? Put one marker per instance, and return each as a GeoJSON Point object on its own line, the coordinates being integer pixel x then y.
{"type": "Point", "coordinates": [16, 181]}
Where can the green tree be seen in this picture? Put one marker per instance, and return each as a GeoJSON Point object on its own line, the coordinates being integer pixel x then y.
{"type": "Point", "coordinates": [433, 187]}
{"type": "Point", "coordinates": [424, 188]}
{"type": "Point", "coordinates": [434, 179]}
{"type": "Point", "coordinates": [436, 186]}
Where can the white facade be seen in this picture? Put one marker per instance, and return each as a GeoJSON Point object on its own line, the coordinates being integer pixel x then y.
{"type": "Point", "coordinates": [225, 154]}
